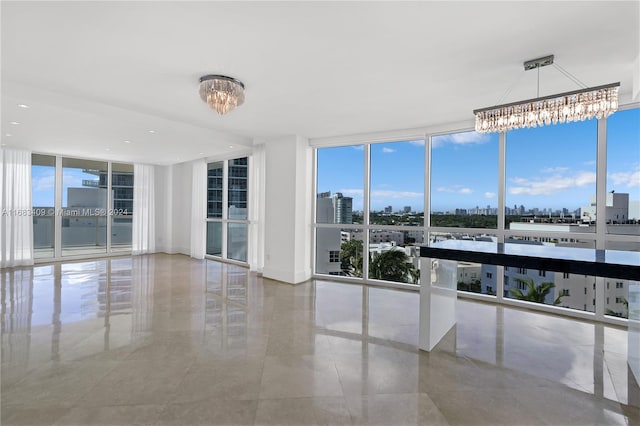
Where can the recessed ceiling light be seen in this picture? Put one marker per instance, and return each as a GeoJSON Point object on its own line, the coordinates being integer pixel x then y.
{"type": "Point", "coordinates": [23, 106]}
{"type": "Point", "coordinates": [152, 131]}
{"type": "Point", "coordinates": [107, 149]}
{"type": "Point", "coordinates": [201, 153]}
{"type": "Point", "coordinates": [15, 123]}
{"type": "Point", "coordinates": [8, 135]}
{"type": "Point", "coordinates": [127, 141]}
{"type": "Point", "coordinates": [3, 144]}
{"type": "Point", "coordinates": [230, 146]}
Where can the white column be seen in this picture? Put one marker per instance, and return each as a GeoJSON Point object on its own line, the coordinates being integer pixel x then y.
{"type": "Point", "coordinates": [288, 197]}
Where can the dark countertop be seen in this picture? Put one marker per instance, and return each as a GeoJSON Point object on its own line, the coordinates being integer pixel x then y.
{"type": "Point", "coordinates": [602, 263]}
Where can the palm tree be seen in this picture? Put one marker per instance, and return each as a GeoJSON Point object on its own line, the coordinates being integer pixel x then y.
{"type": "Point", "coordinates": [351, 257]}
{"type": "Point", "coordinates": [392, 265]}
{"type": "Point", "coordinates": [534, 293]}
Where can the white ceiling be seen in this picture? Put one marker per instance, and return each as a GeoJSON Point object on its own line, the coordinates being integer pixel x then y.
{"type": "Point", "coordinates": [98, 73]}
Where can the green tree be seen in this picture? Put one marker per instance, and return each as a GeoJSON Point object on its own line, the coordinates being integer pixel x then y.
{"type": "Point", "coordinates": [625, 303]}
{"type": "Point", "coordinates": [534, 293]}
{"type": "Point", "coordinates": [351, 257]}
{"type": "Point", "coordinates": [393, 265]}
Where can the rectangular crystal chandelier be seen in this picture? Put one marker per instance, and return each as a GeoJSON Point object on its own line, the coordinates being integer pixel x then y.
{"type": "Point", "coordinates": [578, 105]}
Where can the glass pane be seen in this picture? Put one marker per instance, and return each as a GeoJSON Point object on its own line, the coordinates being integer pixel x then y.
{"type": "Point", "coordinates": [340, 181]}
{"type": "Point", "coordinates": [328, 248]}
{"type": "Point", "coordinates": [43, 186]}
{"type": "Point", "coordinates": [472, 277]}
{"type": "Point", "coordinates": [214, 238]}
{"type": "Point", "coordinates": [339, 252]}
{"type": "Point", "coordinates": [122, 204]}
{"type": "Point", "coordinates": [84, 235]}
{"type": "Point", "coordinates": [616, 297]}
{"type": "Point", "coordinates": [618, 293]}
{"type": "Point", "coordinates": [574, 291]}
{"type": "Point", "coordinates": [551, 178]}
{"type": "Point", "coordinates": [390, 260]}
{"type": "Point", "coordinates": [214, 189]}
{"type": "Point", "coordinates": [464, 180]}
{"type": "Point", "coordinates": [623, 173]}
{"type": "Point", "coordinates": [237, 241]}
{"type": "Point", "coordinates": [84, 206]}
{"type": "Point", "coordinates": [238, 184]}
{"type": "Point", "coordinates": [397, 183]}
{"type": "Point", "coordinates": [121, 233]}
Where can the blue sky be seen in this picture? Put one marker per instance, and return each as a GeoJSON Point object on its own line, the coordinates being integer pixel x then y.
{"type": "Point", "coordinates": [43, 184]}
{"type": "Point", "coordinates": [550, 167]}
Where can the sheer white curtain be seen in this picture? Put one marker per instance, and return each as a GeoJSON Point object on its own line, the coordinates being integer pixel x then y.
{"type": "Point", "coordinates": [198, 209]}
{"type": "Point", "coordinates": [257, 209]}
{"type": "Point", "coordinates": [143, 233]}
{"type": "Point", "coordinates": [16, 223]}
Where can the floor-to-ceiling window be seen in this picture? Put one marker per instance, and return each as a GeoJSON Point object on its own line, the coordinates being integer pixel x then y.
{"type": "Point", "coordinates": [464, 199]}
{"type": "Point", "coordinates": [622, 201]}
{"type": "Point", "coordinates": [529, 186]}
{"type": "Point", "coordinates": [43, 181]}
{"type": "Point", "coordinates": [84, 207]}
{"type": "Point", "coordinates": [550, 199]}
{"type": "Point", "coordinates": [121, 206]}
{"type": "Point", "coordinates": [370, 211]}
{"type": "Point", "coordinates": [227, 208]}
{"type": "Point", "coordinates": [81, 207]}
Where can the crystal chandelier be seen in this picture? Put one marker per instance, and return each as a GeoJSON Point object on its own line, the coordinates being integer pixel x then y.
{"type": "Point", "coordinates": [221, 93]}
{"type": "Point", "coordinates": [578, 105]}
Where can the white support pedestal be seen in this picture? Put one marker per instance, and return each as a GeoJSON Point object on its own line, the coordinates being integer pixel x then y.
{"type": "Point", "coordinates": [438, 296]}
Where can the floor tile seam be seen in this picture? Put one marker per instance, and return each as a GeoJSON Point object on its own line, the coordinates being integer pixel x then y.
{"type": "Point", "coordinates": [95, 383]}
{"type": "Point", "coordinates": [174, 392]}
{"type": "Point", "coordinates": [178, 401]}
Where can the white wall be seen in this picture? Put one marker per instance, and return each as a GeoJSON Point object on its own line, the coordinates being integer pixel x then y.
{"type": "Point", "coordinates": [181, 208]}
{"type": "Point", "coordinates": [288, 209]}
{"type": "Point", "coordinates": [164, 212]}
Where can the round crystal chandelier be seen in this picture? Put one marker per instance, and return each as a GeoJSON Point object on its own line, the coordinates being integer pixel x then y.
{"type": "Point", "coordinates": [221, 93]}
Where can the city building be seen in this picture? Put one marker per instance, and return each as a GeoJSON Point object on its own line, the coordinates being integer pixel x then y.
{"type": "Point", "coordinates": [617, 210]}
{"type": "Point", "coordinates": [342, 207]}
{"type": "Point", "coordinates": [231, 304]}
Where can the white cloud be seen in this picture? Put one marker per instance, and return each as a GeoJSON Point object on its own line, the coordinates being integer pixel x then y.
{"type": "Point", "coordinates": [629, 179]}
{"type": "Point", "coordinates": [355, 193]}
{"type": "Point", "coordinates": [44, 183]}
{"type": "Point", "coordinates": [71, 179]}
{"type": "Point", "coordinates": [388, 150]}
{"type": "Point", "coordinates": [417, 143]}
{"type": "Point", "coordinates": [358, 147]}
{"type": "Point", "coordinates": [395, 194]}
{"type": "Point", "coordinates": [380, 193]}
{"type": "Point", "coordinates": [551, 184]}
{"type": "Point", "coordinates": [455, 188]}
{"type": "Point", "coordinates": [489, 195]}
{"type": "Point", "coordinates": [466, 138]}
{"type": "Point", "coordinates": [444, 189]}
{"type": "Point", "coordinates": [558, 169]}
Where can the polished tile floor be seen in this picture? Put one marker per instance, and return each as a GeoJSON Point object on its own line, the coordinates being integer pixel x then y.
{"type": "Point", "coordinates": [166, 339]}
